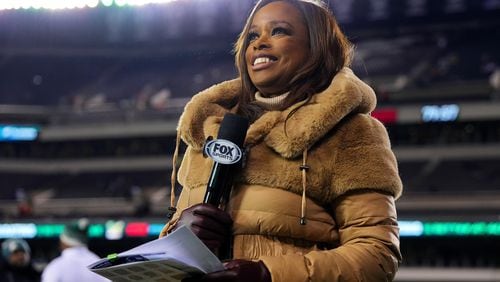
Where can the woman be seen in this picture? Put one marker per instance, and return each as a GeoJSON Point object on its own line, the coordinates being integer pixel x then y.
{"type": "Point", "coordinates": [315, 200]}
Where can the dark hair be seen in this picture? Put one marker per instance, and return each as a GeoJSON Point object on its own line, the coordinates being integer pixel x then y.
{"type": "Point", "coordinates": [329, 47]}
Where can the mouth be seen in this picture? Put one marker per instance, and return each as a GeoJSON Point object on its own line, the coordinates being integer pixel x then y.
{"type": "Point", "coordinates": [263, 61]}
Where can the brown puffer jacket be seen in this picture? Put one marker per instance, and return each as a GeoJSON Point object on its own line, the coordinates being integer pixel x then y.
{"type": "Point", "coordinates": [351, 231]}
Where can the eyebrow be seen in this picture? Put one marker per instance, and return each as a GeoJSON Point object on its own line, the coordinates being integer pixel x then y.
{"type": "Point", "coordinates": [274, 23]}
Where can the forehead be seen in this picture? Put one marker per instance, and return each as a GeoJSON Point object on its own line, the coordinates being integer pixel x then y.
{"type": "Point", "coordinates": [278, 11]}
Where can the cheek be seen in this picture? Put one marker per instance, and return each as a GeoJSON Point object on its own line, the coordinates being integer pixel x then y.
{"type": "Point", "coordinates": [248, 57]}
{"type": "Point", "coordinates": [295, 57]}
{"type": "Point", "coordinates": [293, 50]}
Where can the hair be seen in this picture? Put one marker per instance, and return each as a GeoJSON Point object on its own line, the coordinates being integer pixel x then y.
{"type": "Point", "coordinates": [330, 51]}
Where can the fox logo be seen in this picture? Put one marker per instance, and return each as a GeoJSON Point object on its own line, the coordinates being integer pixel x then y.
{"type": "Point", "coordinates": [223, 151]}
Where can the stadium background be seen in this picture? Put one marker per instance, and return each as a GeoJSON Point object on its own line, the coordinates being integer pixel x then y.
{"type": "Point", "coordinates": [90, 96]}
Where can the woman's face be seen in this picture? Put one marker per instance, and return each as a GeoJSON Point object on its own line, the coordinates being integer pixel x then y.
{"type": "Point", "coordinates": [278, 47]}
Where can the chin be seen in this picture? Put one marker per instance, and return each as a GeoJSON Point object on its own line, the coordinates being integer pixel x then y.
{"type": "Point", "coordinates": [266, 87]}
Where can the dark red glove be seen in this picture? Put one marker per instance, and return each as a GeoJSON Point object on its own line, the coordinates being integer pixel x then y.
{"type": "Point", "coordinates": [237, 271]}
{"type": "Point", "coordinates": [210, 224]}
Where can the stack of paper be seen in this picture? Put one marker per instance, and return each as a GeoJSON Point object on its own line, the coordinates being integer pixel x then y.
{"type": "Point", "coordinates": [171, 258]}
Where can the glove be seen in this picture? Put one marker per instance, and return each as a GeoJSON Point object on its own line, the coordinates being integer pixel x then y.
{"type": "Point", "coordinates": [210, 224]}
{"type": "Point", "coordinates": [237, 271]}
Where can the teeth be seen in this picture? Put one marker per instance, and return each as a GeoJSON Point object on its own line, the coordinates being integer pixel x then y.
{"type": "Point", "coordinates": [261, 60]}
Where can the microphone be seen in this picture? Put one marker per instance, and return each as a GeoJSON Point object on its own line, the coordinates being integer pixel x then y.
{"type": "Point", "coordinates": [227, 153]}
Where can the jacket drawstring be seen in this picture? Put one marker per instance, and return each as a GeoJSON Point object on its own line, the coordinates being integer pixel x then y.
{"type": "Point", "coordinates": [173, 177]}
{"type": "Point", "coordinates": [304, 168]}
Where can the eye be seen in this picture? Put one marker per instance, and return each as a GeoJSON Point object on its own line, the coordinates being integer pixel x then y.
{"type": "Point", "coordinates": [280, 31]}
{"type": "Point", "coordinates": [252, 35]}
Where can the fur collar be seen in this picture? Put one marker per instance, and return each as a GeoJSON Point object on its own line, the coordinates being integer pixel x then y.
{"type": "Point", "coordinates": [346, 94]}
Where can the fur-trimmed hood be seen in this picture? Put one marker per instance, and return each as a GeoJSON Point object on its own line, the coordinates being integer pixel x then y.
{"type": "Point", "coordinates": [346, 94]}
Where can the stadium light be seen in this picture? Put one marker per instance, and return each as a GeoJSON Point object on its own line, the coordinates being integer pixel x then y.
{"type": "Point", "coordinates": [73, 4]}
{"type": "Point", "coordinates": [107, 3]}
{"type": "Point", "coordinates": [25, 4]}
{"type": "Point", "coordinates": [120, 3]}
{"type": "Point", "coordinates": [92, 3]}
{"type": "Point", "coordinates": [36, 5]}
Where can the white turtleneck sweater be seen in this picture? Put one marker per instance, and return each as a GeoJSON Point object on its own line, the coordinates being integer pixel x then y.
{"type": "Point", "coordinates": [271, 103]}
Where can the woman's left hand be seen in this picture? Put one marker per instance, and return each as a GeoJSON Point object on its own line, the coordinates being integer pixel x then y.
{"type": "Point", "coordinates": [237, 271]}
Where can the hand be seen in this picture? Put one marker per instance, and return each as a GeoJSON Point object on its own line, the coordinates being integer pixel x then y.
{"type": "Point", "coordinates": [210, 224]}
{"type": "Point", "coordinates": [237, 271]}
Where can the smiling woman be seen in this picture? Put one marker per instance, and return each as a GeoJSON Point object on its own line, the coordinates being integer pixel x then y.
{"type": "Point", "coordinates": [278, 47]}
{"type": "Point", "coordinates": [315, 198]}
{"type": "Point", "coordinates": [310, 44]}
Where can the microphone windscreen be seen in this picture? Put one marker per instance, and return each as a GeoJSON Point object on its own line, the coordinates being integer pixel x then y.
{"type": "Point", "coordinates": [233, 128]}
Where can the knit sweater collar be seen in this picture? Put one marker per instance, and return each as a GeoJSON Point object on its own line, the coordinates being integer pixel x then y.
{"type": "Point", "coordinates": [270, 103]}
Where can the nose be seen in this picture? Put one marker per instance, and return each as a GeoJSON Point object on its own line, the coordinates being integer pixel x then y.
{"type": "Point", "coordinates": [261, 43]}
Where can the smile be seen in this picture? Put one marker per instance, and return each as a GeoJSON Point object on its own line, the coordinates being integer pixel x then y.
{"type": "Point", "coordinates": [262, 62]}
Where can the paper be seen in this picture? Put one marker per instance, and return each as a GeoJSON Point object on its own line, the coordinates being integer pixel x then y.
{"type": "Point", "coordinates": [171, 258]}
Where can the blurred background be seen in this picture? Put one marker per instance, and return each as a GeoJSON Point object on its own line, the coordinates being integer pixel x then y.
{"type": "Point", "coordinates": [91, 91]}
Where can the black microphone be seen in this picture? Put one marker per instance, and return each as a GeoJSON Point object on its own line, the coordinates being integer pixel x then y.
{"type": "Point", "coordinates": [227, 153]}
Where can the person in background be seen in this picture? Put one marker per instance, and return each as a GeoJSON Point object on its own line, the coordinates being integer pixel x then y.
{"type": "Point", "coordinates": [16, 265]}
{"type": "Point", "coordinates": [315, 200]}
{"type": "Point", "coordinates": [71, 265]}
